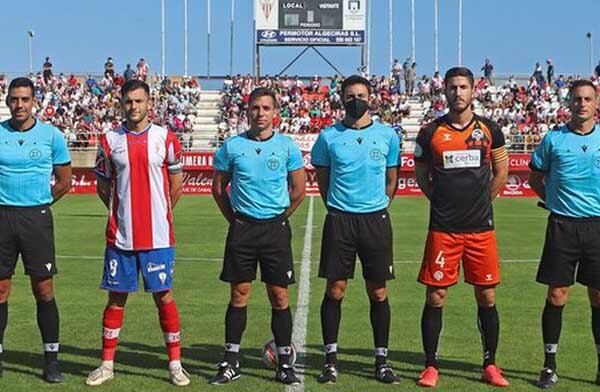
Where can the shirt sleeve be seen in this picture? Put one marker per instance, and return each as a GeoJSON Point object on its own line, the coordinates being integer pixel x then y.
{"type": "Point", "coordinates": [319, 155]}
{"type": "Point", "coordinates": [221, 161]}
{"type": "Point", "coordinates": [60, 152]}
{"type": "Point", "coordinates": [422, 146]}
{"type": "Point", "coordinates": [173, 156]}
{"type": "Point", "coordinates": [295, 160]}
{"type": "Point", "coordinates": [540, 159]}
{"type": "Point", "coordinates": [497, 136]}
{"type": "Point", "coordinates": [393, 158]}
{"type": "Point", "coordinates": [102, 168]}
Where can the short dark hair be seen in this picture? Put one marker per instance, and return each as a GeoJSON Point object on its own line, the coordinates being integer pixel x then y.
{"type": "Point", "coordinates": [355, 79]}
{"type": "Point", "coordinates": [21, 82]}
{"type": "Point", "coordinates": [581, 83]}
{"type": "Point", "coordinates": [459, 71]}
{"type": "Point", "coordinates": [262, 92]}
{"type": "Point", "coordinates": [134, 84]}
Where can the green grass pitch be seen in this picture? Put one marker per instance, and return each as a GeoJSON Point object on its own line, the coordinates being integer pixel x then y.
{"type": "Point", "coordinates": [141, 358]}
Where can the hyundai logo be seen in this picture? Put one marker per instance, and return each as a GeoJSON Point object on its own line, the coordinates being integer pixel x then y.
{"type": "Point", "coordinates": [268, 34]}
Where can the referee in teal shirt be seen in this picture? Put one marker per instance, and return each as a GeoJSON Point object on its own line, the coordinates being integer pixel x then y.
{"type": "Point", "coordinates": [566, 176]}
{"type": "Point", "coordinates": [30, 152]}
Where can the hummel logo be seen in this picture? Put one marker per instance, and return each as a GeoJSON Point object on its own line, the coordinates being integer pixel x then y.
{"type": "Point", "coordinates": [584, 148]}
{"type": "Point", "coordinates": [258, 150]}
{"type": "Point", "coordinates": [359, 140]}
{"type": "Point", "coordinates": [49, 266]}
{"type": "Point", "coordinates": [21, 141]}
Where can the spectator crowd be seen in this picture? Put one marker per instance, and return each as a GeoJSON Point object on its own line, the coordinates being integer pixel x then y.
{"type": "Point", "coordinates": [525, 110]}
{"type": "Point", "coordinates": [84, 107]}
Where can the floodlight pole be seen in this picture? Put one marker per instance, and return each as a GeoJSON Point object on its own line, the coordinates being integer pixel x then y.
{"type": "Point", "coordinates": [30, 34]}
{"type": "Point", "coordinates": [185, 38]}
{"type": "Point", "coordinates": [436, 37]}
{"type": "Point", "coordinates": [231, 38]}
{"type": "Point", "coordinates": [208, 40]}
{"type": "Point", "coordinates": [460, 31]}
{"type": "Point", "coordinates": [162, 38]}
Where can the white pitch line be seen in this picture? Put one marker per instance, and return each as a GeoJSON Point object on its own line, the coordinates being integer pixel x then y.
{"type": "Point", "coordinates": [301, 316]}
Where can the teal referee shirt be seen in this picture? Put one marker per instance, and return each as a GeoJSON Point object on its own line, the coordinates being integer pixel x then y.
{"type": "Point", "coordinates": [26, 162]}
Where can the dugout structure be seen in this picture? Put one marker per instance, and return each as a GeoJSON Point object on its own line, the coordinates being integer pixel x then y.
{"type": "Point", "coordinates": [309, 24]}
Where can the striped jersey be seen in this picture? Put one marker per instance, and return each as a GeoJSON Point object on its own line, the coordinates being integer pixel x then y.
{"type": "Point", "coordinates": [138, 166]}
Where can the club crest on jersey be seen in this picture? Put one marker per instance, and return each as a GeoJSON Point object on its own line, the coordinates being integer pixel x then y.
{"type": "Point", "coordinates": [273, 164]}
{"type": "Point", "coordinates": [376, 155]}
{"type": "Point", "coordinates": [597, 162]}
{"type": "Point", "coordinates": [35, 154]}
{"type": "Point", "coordinates": [477, 134]}
{"type": "Point", "coordinates": [477, 139]}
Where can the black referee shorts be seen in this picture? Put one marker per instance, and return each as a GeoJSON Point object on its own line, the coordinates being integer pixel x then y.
{"type": "Point", "coordinates": [347, 235]}
{"type": "Point", "coordinates": [571, 252]}
{"type": "Point", "coordinates": [251, 242]}
{"type": "Point", "coordinates": [29, 232]}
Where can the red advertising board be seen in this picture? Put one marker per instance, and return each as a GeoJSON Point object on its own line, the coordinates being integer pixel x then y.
{"type": "Point", "coordinates": [198, 174]}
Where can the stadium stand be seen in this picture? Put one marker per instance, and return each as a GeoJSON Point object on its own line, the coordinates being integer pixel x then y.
{"type": "Point", "coordinates": [84, 107]}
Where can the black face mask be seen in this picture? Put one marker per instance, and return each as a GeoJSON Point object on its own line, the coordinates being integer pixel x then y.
{"type": "Point", "coordinates": [356, 108]}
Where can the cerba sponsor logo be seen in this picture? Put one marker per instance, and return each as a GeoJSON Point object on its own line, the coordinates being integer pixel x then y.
{"type": "Point", "coordinates": [461, 159]}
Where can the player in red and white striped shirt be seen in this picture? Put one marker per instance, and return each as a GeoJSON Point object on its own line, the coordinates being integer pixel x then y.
{"type": "Point", "coordinates": [139, 180]}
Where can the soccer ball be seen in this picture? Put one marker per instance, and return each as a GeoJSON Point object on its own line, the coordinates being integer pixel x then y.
{"type": "Point", "coordinates": [269, 354]}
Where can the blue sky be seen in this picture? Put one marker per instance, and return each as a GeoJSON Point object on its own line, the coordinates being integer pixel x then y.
{"type": "Point", "coordinates": [78, 35]}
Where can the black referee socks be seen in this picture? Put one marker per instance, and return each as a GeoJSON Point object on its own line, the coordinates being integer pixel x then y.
{"type": "Point", "coordinates": [551, 326]}
{"type": "Point", "coordinates": [596, 331]}
{"type": "Point", "coordinates": [3, 322]}
{"type": "Point", "coordinates": [431, 328]}
{"type": "Point", "coordinates": [281, 326]}
{"type": "Point", "coordinates": [48, 323]}
{"type": "Point", "coordinates": [331, 314]}
{"type": "Point", "coordinates": [380, 323]}
{"type": "Point", "coordinates": [235, 324]}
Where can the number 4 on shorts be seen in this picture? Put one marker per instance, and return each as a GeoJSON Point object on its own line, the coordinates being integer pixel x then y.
{"type": "Point", "coordinates": [439, 260]}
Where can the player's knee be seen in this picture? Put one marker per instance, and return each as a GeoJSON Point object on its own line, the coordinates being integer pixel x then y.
{"type": "Point", "coordinates": [436, 297]}
{"type": "Point", "coordinates": [240, 295]}
{"type": "Point", "coordinates": [163, 297]}
{"type": "Point", "coordinates": [279, 301]}
{"type": "Point", "coordinates": [336, 292]}
{"type": "Point", "coordinates": [377, 294]}
{"type": "Point", "coordinates": [558, 296]}
{"type": "Point", "coordinates": [485, 296]}
{"type": "Point", "coordinates": [4, 292]}
{"type": "Point", "coordinates": [594, 295]}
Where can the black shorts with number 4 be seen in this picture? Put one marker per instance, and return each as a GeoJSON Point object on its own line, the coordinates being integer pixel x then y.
{"type": "Point", "coordinates": [346, 235]}
{"type": "Point", "coordinates": [251, 242]}
{"type": "Point", "coordinates": [571, 252]}
{"type": "Point", "coordinates": [29, 232]}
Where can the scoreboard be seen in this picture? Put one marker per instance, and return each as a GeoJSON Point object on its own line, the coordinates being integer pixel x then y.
{"type": "Point", "coordinates": [310, 22]}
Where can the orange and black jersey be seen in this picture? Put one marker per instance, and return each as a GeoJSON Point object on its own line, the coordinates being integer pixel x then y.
{"type": "Point", "coordinates": [460, 167]}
